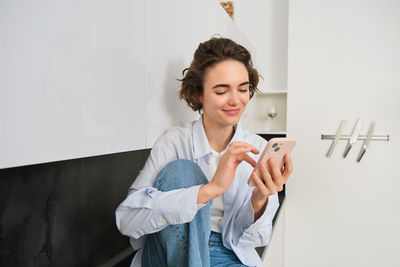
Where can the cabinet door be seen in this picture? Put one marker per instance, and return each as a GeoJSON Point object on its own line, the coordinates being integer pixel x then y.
{"type": "Point", "coordinates": [344, 62]}
{"type": "Point", "coordinates": [72, 79]}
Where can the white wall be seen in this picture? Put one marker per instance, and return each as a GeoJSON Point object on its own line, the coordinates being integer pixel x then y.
{"type": "Point", "coordinates": [82, 78]}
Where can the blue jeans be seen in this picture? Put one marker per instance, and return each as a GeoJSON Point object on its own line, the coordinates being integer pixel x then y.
{"type": "Point", "coordinates": [221, 256]}
{"type": "Point", "coordinates": [189, 244]}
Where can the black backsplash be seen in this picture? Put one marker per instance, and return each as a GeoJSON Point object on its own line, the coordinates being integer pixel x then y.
{"type": "Point", "coordinates": [62, 213]}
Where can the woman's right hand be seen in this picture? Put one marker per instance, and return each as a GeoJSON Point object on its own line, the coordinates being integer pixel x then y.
{"type": "Point", "coordinates": [223, 177]}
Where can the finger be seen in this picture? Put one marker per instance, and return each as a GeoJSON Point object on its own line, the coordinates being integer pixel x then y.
{"type": "Point", "coordinates": [277, 177]}
{"type": "Point", "coordinates": [238, 145]}
{"type": "Point", "coordinates": [275, 171]}
{"type": "Point", "coordinates": [259, 184]}
{"type": "Point", "coordinates": [254, 150]}
{"type": "Point", "coordinates": [238, 154]}
{"type": "Point", "coordinates": [289, 166]}
{"type": "Point", "coordinates": [249, 160]}
{"type": "Point", "coordinates": [279, 182]}
{"type": "Point", "coordinates": [269, 183]}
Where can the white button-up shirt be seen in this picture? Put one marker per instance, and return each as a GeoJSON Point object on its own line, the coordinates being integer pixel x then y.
{"type": "Point", "coordinates": [147, 210]}
{"type": "Point", "coordinates": [217, 207]}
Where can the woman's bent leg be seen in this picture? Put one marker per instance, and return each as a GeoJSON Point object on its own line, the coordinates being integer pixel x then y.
{"type": "Point", "coordinates": [181, 244]}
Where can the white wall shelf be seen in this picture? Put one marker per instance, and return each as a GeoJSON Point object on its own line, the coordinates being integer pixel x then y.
{"type": "Point", "coordinates": [256, 118]}
{"type": "Point", "coordinates": [271, 133]}
{"type": "Point", "coordinates": [265, 93]}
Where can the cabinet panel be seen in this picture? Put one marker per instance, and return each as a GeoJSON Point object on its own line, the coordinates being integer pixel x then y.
{"type": "Point", "coordinates": [339, 212]}
{"type": "Point", "coordinates": [265, 23]}
{"type": "Point", "coordinates": [72, 79]}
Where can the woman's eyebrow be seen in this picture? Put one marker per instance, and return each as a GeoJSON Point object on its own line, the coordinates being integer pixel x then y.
{"type": "Point", "coordinates": [220, 85]}
{"type": "Point", "coordinates": [227, 85]}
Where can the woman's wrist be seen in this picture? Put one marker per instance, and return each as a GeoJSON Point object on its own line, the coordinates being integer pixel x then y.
{"type": "Point", "coordinates": [206, 193]}
{"type": "Point", "coordinates": [258, 207]}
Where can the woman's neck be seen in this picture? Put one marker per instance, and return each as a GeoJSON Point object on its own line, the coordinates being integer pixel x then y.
{"type": "Point", "coordinates": [218, 136]}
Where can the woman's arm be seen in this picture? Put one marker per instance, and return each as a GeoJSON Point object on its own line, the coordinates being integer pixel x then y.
{"type": "Point", "coordinates": [269, 183]}
{"type": "Point", "coordinates": [263, 204]}
{"type": "Point", "coordinates": [225, 173]}
{"type": "Point", "coordinates": [147, 210]}
{"type": "Point", "coordinates": [258, 208]}
{"type": "Point", "coordinates": [256, 233]}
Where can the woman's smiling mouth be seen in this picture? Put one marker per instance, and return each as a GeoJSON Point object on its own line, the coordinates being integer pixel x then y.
{"type": "Point", "coordinates": [232, 111]}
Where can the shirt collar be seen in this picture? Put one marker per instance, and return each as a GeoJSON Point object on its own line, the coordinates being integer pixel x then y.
{"type": "Point", "coordinates": [200, 142]}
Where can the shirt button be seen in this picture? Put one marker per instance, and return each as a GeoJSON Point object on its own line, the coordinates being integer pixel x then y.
{"type": "Point", "coordinates": [141, 232]}
{"type": "Point", "coordinates": [228, 199]}
{"type": "Point", "coordinates": [163, 221]}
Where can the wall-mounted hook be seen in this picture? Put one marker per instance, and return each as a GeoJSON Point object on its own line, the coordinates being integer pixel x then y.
{"type": "Point", "coordinates": [336, 138]}
{"type": "Point", "coordinates": [366, 142]}
{"type": "Point", "coordinates": [353, 138]}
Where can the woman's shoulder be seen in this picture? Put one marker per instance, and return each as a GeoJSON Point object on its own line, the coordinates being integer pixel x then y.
{"type": "Point", "coordinates": [175, 135]}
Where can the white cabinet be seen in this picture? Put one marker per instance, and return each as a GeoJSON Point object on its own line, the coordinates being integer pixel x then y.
{"type": "Point", "coordinates": [72, 79]}
{"type": "Point", "coordinates": [344, 59]}
{"type": "Point", "coordinates": [343, 64]}
{"type": "Point", "coordinates": [81, 79]}
{"type": "Point", "coordinates": [265, 23]}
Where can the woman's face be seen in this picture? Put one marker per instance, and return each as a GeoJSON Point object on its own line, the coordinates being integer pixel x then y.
{"type": "Point", "coordinates": [225, 92]}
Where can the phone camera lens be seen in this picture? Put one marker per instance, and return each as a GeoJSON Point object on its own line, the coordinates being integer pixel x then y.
{"type": "Point", "coordinates": [276, 149]}
{"type": "Point", "coordinates": [274, 145]}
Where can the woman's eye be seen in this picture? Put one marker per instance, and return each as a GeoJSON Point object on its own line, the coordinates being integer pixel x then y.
{"type": "Point", "coordinates": [220, 93]}
{"type": "Point", "coordinates": [243, 90]}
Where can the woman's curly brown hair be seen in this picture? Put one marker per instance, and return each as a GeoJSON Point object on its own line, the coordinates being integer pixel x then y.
{"type": "Point", "coordinates": [207, 54]}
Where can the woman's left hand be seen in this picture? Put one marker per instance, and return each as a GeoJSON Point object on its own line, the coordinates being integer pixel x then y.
{"type": "Point", "coordinates": [269, 183]}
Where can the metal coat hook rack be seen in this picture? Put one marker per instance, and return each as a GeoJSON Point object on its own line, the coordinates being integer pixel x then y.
{"type": "Point", "coordinates": [353, 138]}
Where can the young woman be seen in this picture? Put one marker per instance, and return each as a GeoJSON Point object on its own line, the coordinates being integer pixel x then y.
{"type": "Point", "coordinates": [191, 204]}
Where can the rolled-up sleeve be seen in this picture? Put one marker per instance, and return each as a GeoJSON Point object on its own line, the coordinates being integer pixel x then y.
{"type": "Point", "coordinates": [148, 210]}
{"type": "Point", "coordinates": [258, 233]}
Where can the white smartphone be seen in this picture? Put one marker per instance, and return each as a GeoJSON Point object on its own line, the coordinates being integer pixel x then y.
{"type": "Point", "coordinates": [276, 148]}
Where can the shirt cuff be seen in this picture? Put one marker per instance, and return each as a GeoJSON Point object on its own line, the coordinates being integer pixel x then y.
{"type": "Point", "coordinates": [176, 206]}
{"type": "Point", "coordinates": [267, 216]}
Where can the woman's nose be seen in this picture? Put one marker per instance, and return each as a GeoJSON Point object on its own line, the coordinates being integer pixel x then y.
{"type": "Point", "coordinates": [233, 99]}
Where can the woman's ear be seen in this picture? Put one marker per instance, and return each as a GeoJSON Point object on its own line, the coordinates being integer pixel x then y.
{"type": "Point", "coordinates": [199, 96]}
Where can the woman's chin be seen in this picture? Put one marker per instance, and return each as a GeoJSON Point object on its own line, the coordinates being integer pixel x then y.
{"type": "Point", "coordinates": [232, 120]}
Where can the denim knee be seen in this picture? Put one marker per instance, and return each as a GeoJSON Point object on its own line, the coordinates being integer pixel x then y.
{"type": "Point", "coordinates": [180, 173]}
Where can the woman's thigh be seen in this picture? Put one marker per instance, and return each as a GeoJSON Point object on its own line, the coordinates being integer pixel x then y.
{"type": "Point", "coordinates": [220, 256]}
